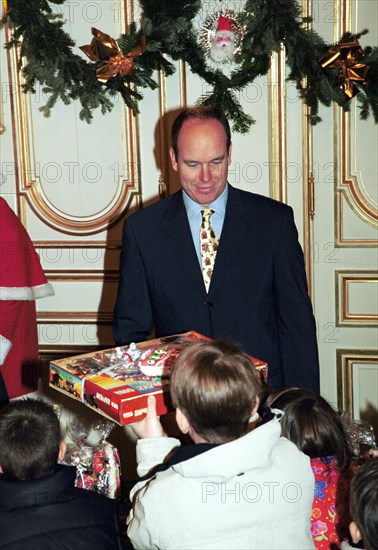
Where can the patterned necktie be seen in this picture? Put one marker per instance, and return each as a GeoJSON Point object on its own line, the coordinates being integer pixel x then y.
{"type": "Point", "coordinates": [209, 245]}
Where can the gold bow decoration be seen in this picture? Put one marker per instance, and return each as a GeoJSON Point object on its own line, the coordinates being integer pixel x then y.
{"type": "Point", "coordinates": [346, 58]}
{"type": "Point", "coordinates": [5, 8]}
{"type": "Point", "coordinates": [104, 48]}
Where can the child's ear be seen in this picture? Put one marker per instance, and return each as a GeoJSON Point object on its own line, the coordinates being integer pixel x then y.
{"type": "Point", "coordinates": [256, 406]}
{"type": "Point", "coordinates": [62, 451]}
{"type": "Point", "coordinates": [182, 421]}
{"type": "Point", "coordinates": [354, 532]}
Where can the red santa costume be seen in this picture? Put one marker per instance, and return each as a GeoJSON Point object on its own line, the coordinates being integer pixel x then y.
{"type": "Point", "coordinates": [22, 281]}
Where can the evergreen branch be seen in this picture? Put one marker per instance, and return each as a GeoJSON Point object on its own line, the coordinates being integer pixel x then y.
{"type": "Point", "coordinates": [166, 34]}
{"type": "Point", "coordinates": [227, 101]}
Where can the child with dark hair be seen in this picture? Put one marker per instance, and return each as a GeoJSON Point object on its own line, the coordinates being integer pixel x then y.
{"type": "Point", "coordinates": [40, 507]}
{"type": "Point", "coordinates": [231, 489]}
{"type": "Point", "coordinates": [364, 506]}
{"type": "Point", "coordinates": [315, 427]}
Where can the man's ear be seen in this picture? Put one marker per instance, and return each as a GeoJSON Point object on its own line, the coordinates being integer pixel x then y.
{"type": "Point", "coordinates": [229, 155]}
{"type": "Point", "coordinates": [182, 421]}
{"type": "Point", "coordinates": [173, 159]}
{"type": "Point", "coordinates": [1, 470]}
{"type": "Point", "coordinates": [62, 451]}
{"type": "Point", "coordinates": [354, 532]}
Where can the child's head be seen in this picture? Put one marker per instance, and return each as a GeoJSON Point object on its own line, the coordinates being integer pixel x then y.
{"type": "Point", "coordinates": [30, 439]}
{"type": "Point", "coordinates": [215, 386]}
{"type": "Point", "coordinates": [364, 505]}
{"type": "Point", "coordinates": [312, 424]}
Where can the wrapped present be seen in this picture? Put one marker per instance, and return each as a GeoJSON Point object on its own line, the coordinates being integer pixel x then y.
{"type": "Point", "coordinates": [106, 463]}
{"type": "Point", "coordinates": [97, 467]}
{"type": "Point", "coordinates": [360, 434]}
{"type": "Point", "coordinates": [80, 455]}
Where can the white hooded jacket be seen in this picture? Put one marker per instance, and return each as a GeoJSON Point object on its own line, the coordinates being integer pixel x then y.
{"type": "Point", "coordinates": [255, 493]}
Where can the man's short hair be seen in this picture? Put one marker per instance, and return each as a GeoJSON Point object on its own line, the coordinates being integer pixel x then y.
{"type": "Point", "coordinates": [30, 438]}
{"type": "Point", "coordinates": [215, 385]}
{"type": "Point", "coordinates": [201, 113]}
{"type": "Point", "coordinates": [364, 503]}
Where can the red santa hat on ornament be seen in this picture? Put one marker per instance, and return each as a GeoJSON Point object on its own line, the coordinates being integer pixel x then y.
{"type": "Point", "coordinates": [223, 24]}
{"type": "Point", "coordinates": [222, 46]}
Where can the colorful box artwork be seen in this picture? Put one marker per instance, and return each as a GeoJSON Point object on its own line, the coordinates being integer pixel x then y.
{"type": "Point", "coordinates": [116, 382]}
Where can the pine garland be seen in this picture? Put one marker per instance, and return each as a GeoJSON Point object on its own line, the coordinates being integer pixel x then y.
{"type": "Point", "coordinates": [167, 32]}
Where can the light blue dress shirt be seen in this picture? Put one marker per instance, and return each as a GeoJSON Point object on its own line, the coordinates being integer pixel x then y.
{"type": "Point", "coordinates": [193, 210]}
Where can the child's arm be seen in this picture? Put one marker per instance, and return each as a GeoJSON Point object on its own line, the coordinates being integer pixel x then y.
{"type": "Point", "coordinates": [153, 445]}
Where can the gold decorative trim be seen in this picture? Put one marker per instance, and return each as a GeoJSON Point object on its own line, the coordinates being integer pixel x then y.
{"type": "Point", "coordinates": [75, 317]}
{"type": "Point", "coordinates": [51, 352]}
{"type": "Point", "coordinates": [10, 56]}
{"type": "Point", "coordinates": [29, 185]}
{"type": "Point", "coordinates": [107, 245]}
{"type": "Point", "coordinates": [163, 185]}
{"type": "Point", "coordinates": [111, 276]}
{"type": "Point", "coordinates": [350, 185]}
{"type": "Point", "coordinates": [343, 280]}
{"type": "Point", "coordinates": [79, 317]}
{"type": "Point", "coordinates": [2, 101]}
{"type": "Point", "coordinates": [83, 275]}
{"type": "Point", "coordinates": [345, 360]}
{"type": "Point", "coordinates": [278, 149]}
{"type": "Point", "coordinates": [183, 85]}
{"type": "Point", "coordinates": [340, 241]}
{"type": "Point", "coordinates": [77, 225]}
{"type": "Point", "coordinates": [308, 182]}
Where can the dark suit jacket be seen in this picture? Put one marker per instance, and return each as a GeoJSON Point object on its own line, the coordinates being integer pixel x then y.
{"type": "Point", "coordinates": [49, 512]}
{"type": "Point", "coordinates": [258, 293]}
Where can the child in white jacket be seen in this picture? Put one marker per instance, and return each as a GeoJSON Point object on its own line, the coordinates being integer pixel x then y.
{"type": "Point", "coordinates": [231, 489]}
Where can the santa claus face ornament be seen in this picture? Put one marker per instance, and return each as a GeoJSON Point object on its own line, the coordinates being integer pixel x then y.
{"type": "Point", "coordinates": [222, 37]}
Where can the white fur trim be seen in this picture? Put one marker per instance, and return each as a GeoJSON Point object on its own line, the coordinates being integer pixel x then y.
{"type": "Point", "coordinates": [26, 293]}
{"type": "Point", "coordinates": [5, 346]}
{"type": "Point", "coordinates": [42, 291]}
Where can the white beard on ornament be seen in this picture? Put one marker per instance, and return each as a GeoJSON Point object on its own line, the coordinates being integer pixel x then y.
{"type": "Point", "coordinates": [222, 48]}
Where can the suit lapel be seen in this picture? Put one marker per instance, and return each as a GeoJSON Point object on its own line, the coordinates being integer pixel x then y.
{"type": "Point", "coordinates": [230, 249]}
{"type": "Point", "coordinates": [180, 241]}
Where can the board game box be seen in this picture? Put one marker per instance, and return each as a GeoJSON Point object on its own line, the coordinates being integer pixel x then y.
{"type": "Point", "coordinates": [117, 382]}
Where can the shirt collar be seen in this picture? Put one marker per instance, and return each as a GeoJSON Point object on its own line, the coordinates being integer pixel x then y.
{"type": "Point", "coordinates": [219, 205]}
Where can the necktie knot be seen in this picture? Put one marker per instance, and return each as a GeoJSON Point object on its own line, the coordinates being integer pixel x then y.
{"type": "Point", "coordinates": [206, 215]}
{"type": "Point", "coordinates": [209, 245]}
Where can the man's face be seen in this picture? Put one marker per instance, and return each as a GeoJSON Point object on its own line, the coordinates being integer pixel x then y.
{"type": "Point", "coordinates": [202, 160]}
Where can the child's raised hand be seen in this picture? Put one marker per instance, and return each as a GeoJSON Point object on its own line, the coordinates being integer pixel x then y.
{"type": "Point", "coordinates": [150, 426]}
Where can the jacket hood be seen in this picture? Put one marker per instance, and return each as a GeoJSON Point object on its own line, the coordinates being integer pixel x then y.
{"type": "Point", "coordinates": [219, 464]}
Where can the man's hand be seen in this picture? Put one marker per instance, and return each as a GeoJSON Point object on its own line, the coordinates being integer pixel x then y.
{"type": "Point", "coordinates": [150, 426]}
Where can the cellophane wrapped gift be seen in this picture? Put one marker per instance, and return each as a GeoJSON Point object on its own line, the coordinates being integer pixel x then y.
{"type": "Point", "coordinates": [359, 432]}
{"type": "Point", "coordinates": [97, 466]}
{"type": "Point", "coordinates": [106, 462]}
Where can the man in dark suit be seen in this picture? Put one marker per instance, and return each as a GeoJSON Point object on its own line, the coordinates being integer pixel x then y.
{"type": "Point", "coordinates": [258, 292]}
